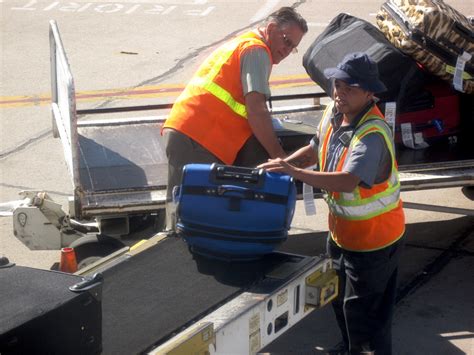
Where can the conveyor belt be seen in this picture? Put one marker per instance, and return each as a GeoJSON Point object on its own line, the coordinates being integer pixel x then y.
{"type": "Point", "coordinates": [123, 167]}
{"type": "Point", "coordinates": [132, 155]}
{"type": "Point", "coordinates": [157, 292]}
{"type": "Point", "coordinates": [123, 156]}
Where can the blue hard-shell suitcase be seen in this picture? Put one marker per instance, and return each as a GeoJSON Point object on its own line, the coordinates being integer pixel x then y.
{"type": "Point", "coordinates": [230, 212]}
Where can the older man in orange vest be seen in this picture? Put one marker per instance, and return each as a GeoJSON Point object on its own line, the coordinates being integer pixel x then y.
{"type": "Point", "coordinates": [222, 115]}
{"type": "Point", "coordinates": [357, 168]}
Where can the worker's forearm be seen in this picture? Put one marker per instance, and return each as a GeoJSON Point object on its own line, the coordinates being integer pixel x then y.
{"type": "Point", "coordinates": [334, 181]}
{"type": "Point", "coordinates": [303, 157]}
{"type": "Point", "coordinates": [260, 122]}
{"type": "Point", "coordinates": [262, 128]}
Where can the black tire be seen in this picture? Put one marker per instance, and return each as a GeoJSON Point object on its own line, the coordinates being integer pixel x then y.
{"type": "Point", "coordinates": [87, 261]}
{"type": "Point", "coordinates": [155, 222]}
{"type": "Point", "coordinates": [468, 191]}
{"type": "Point", "coordinates": [92, 248]}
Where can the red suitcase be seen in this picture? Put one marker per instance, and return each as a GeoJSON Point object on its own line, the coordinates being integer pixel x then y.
{"type": "Point", "coordinates": [434, 117]}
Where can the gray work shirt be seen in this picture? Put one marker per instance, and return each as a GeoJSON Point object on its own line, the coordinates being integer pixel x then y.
{"type": "Point", "coordinates": [255, 69]}
{"type": "Point", "coordinates": [370, 158]}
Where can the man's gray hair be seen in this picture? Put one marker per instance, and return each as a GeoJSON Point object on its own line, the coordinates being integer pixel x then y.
{"type": "Point", "coordinates": [287, 16]}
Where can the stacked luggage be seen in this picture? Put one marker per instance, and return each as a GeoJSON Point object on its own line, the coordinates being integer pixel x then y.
{"type": "Point", "coordinates": [424, 50]}
{"type": "Point", "coordinates": [435, 35]}
{"type": "Point", "coordinates": [345, 34]}
{"type": "Point", "coordinates": [234, 213]}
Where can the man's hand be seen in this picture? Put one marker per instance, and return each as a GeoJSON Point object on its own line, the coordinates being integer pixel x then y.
{"type": "Point", "coordinates": [278, 165]}
{"type": "Point", "coordinates": [339, 181]}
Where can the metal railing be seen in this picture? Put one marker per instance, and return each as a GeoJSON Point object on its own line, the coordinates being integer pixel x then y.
{"type": "Point", "coordinates": [63, 102]}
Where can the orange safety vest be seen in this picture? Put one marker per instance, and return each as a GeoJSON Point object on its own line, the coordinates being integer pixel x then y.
{"type": "Point", "coordinates": [211, 109]}
{"type": "Point", "coordinates": [366, 219]}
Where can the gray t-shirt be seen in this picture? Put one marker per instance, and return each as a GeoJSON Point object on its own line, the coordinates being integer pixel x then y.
{"type": "Point", "coordinates": [255, 69]}
{"type": "Point", "coordinates": [370, 158]}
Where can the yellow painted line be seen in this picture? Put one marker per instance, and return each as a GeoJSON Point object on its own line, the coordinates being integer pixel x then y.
{"type": "Point", "coordinates": [138, 244]}
{"type": "Point", "coordinates": [143, 92]}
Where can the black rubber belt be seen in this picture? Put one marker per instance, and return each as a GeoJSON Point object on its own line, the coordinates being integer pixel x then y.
{"type": "Point", "coordinates": [156, 292]}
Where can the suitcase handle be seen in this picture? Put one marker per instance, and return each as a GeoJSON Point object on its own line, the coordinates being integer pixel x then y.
{"type": "Point", "coordinates": [237, 173]}
{"type": "Point", "coordinates": [242, 191]}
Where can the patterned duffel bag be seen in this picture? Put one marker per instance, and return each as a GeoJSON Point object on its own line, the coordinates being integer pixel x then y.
{"type": "Point", "coordinates": [435, 35]}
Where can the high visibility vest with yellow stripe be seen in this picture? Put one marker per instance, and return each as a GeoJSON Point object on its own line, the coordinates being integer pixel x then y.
{"type": "Point", "coordinates": [211, 109]}
{"type": "Point", "coordinates": [366, 219]}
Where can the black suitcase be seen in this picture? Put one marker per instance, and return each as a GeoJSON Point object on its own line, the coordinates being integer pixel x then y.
{"type": "Point", "coordinates": [347, 34]}
{"type": "Point", "coordinates": [39, 314]}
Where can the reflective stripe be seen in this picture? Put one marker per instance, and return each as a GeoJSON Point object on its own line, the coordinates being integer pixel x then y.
{"type": "Point", "coordinates": [207, 80]}
{"type": "Point", "coordinates": [221, 59]}
{"type": "Point", "coordinates": [352, 203]}
{"type": "Point", "coordinates": [362, 201]}
{"type": "Point", "coordinates": [323, 155]}
{"type": "Point", "coordinates": [222, 94]}
{"type": "Point", "coordinates": [381, 127]}
{"type": "Point", "coordinates": [365, 219]}
{"type": "Point", "coordinates": [384, 130]}
{"type": "Point", "coordinates": [348, 196]}
{"type": "Point", "coordinates": [351, 206]}
{"type": "Point", "coordinates": [367, 210]}
{"type": "Point", "coordinates": [325, 130]}
{"type": "Point", "coordinates": [393, 179]}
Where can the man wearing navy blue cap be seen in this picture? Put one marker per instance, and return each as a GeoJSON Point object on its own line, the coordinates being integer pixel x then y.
{"type": "Point", "coordinates": [355, 153]}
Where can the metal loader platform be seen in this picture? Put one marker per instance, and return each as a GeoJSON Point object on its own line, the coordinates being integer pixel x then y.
{"type": "Point", "coordinates": [153, 294]}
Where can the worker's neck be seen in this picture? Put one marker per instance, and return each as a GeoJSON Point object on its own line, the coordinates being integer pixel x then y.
{"type": "Point", "coordinates": [350, 117]}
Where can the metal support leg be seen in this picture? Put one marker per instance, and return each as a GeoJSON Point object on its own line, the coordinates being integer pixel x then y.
{"type": "Point", "coordinates": [434, 208]}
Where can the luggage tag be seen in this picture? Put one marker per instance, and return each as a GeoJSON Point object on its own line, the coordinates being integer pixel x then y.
{"type": "Point", "coordinates": [410, 140]}
{"type": "Point", "coordinates": [308, 197]}
{"type": "Point", "coordinates": [277, 125]}
{"type": "Point", "coordinates": [390, 115]}
{"type": "Point", "coordinates": [458, 73]}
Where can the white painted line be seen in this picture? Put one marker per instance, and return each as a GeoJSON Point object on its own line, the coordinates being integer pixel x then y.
{"type": "Point", "coordinates": [127, 7]}
{"type": "Point", "coordinates": [7, 208]}
{"type": "Point", "coordinates": [85, 7]}
{"type": "Point", "coordinates": [132, 9]}
{"type": "Point", "coordinates": [265, 10]}
{"type": "Point", "coordinates": [27, 6]}
{"type": "Point", "coordinates": [161, 2]}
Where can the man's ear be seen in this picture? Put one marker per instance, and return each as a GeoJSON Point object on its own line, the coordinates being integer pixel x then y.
{"type": "Point", "coordinates": [271, 26]}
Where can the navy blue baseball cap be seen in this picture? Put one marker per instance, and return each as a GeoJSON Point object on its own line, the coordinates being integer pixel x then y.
{"type": "Point", "coordinates": [357, 69]}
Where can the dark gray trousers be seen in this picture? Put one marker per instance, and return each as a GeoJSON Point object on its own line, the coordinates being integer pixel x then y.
{"type": "Point", "coordinates": [366, 301]}
{"type": "Point", "coordinates": [182, 150]}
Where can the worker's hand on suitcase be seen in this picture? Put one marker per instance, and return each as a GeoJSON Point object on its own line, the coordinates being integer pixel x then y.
{"type": "Point", "coordinates": [278, 165]}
